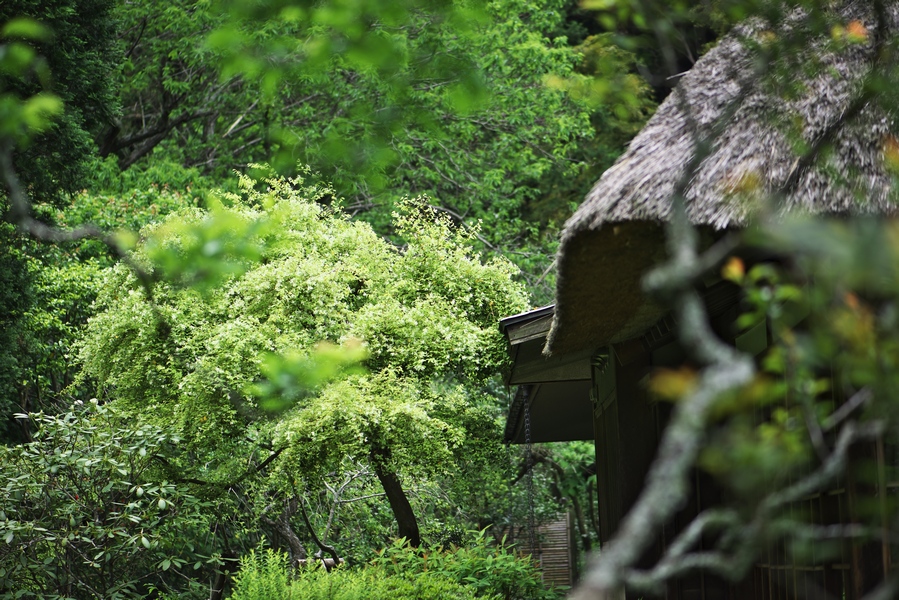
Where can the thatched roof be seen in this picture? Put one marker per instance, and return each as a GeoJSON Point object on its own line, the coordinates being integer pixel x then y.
{"type": "Point", "coordinates": [615, 235]}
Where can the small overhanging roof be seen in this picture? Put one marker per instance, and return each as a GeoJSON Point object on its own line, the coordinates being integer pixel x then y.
{"type": "Point", "coordinates": [526, 336]}
{"type": "Point", "coordinates": [555, 391]}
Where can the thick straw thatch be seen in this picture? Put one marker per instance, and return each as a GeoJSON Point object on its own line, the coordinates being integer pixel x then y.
{"type": "Point", "coordinates": [753, 126]}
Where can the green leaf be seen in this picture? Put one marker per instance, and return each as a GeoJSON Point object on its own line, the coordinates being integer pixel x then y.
{"type": "Point", "coordinates": [598, 4]}
{"type": "Point", "coordinates": [26, 28]}
{"type": "Point", "coordinates": [39, 111]}
{"type": "Point", "coordinates": [16, 58]}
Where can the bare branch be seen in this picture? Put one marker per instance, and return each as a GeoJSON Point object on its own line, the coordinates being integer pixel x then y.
{"type": "Point", "coordinates": [739, 541]}
{"type": "Point", "coordinates": [829, 471]}
{"type": "Point", "coordinates": [815, 433]}
{"type": "Point", "coordinates": [860, 398]}
{"type": "Point", "coordinates": [20, 215]}
{"type": "Point", "coordinates": [321, 545]}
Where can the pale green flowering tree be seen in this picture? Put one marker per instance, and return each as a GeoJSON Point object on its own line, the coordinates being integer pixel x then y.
{"type": "Point", "coordinates": [230, 361]}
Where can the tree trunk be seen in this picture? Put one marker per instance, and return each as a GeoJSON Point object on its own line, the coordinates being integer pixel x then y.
{"type": "Point", "coordinates": [220, 581]}
{"type": "Point", "coordinates": [399, 503]}
{"type": "Point", "coordinates": [284, 529]}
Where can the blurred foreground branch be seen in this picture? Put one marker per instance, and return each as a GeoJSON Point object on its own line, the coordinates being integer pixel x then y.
{"type": "Point", "coordinates": [20, 215]}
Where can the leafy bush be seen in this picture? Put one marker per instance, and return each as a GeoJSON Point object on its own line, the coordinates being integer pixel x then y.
{"type": "Point", "coordinates": [161, 173]}
{"type": "Point", "coordinates": [84, 512]}
{"type": "Point", "coordinates": [264, 576]}
{"type": "Point", "coordinates": [492, 570]}
{"type": "Point", "coordinates": [481, 569]}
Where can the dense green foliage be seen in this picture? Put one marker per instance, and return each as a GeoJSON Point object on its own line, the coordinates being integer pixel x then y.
{"type": "Point", "coordinates": [428, 310]}
{"type": "Point", "coordinates": [270, 370]}
{"type": "Point", "coordinates": [451, 105]}
{"type": "Point", "coordinates": [47, 296]}
{"type": "Point", "coordinates": [224, 354]}
{"type": "Point", "coordinates": [86, 513]}
{"type": "Point", "coordinates": [54, 91]}
{"type": "Point", "coordinates": [69, 56]}
{"type": "Point", "coordinates": [125, 116]}
{"type": "Point", "coordinates": [15, 299]}
{"type": "Point", "coordinates": [45, 301]}
{"type": "Point", "coordinates": [490, 568]}
{"type": "Point", "coordinates": [266, 577]}
{"type": "Point", "coordinates": [479, 569]}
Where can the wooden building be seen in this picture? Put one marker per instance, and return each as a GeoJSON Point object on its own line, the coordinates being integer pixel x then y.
{"type": "Point", "coordinates": [581, 365]}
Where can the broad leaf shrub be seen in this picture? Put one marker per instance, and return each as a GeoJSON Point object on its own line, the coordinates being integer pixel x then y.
{"type": "Point", "coordinates": [264, 576]}
{"type": "Point", "coordinates": [492, 570]}
{"type": "Point", "coordinates": [84, 513]}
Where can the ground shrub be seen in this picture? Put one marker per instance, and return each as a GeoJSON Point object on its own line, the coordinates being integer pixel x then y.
{"type": "Point", "coordinates": [265, 576]}
{"type": "Point", "coordinates": [491, 569]}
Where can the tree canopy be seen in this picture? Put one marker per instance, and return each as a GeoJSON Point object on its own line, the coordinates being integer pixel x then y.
{"type": "Point", "coordinates": [56, 52]}
{"type": "Point", "coordinates": [117, 114]}
{"type": "Point", "coordinates": [213, 362]}
{"type": "Point", "coordinates": [451, 103]}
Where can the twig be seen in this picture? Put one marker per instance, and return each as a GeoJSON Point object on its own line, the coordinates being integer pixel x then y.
{"type": "Point", "coordinates": [738, 544]}
{"type": "Point", "coordinates": [321, 545]}
{"type": "Point", "coordinates": [861, 397]}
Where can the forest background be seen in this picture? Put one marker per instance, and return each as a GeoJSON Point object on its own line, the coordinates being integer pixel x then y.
{"type": "Point", "coordinates": [167, 406]}
{"type": "Point", "coordinates": [198, 194]}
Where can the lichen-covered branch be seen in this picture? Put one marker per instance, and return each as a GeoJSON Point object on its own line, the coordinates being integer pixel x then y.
{"type": "Point", "coordinates": [739, 540]}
